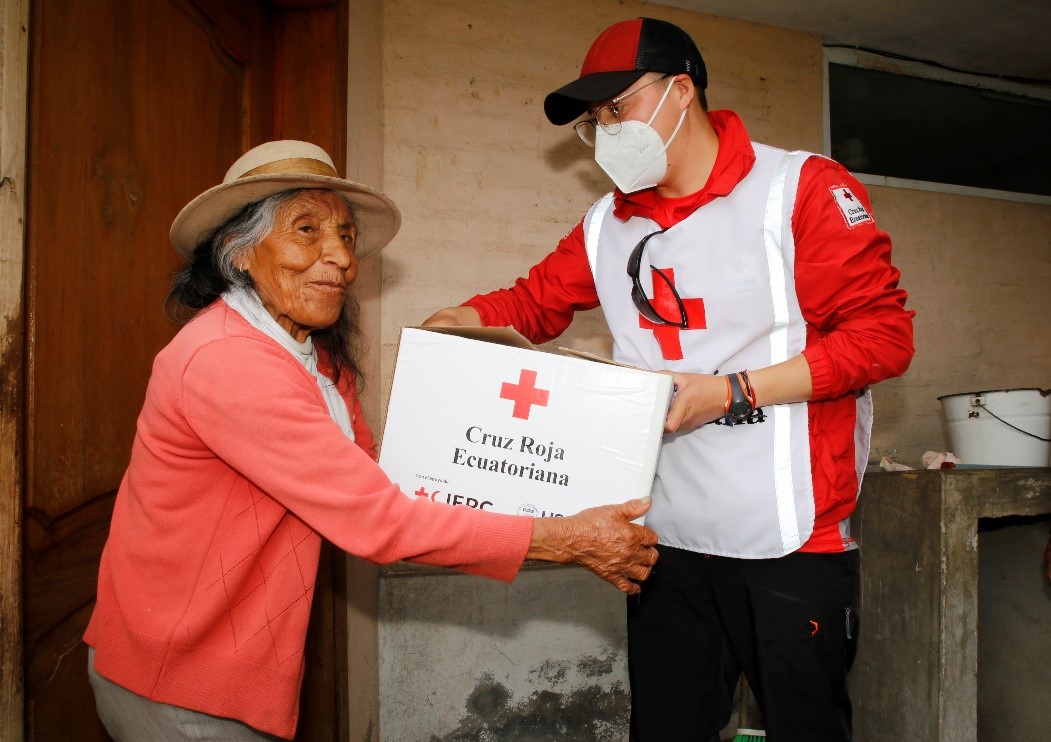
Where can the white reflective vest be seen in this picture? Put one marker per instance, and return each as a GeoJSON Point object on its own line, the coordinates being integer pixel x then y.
{"type": "Point", "coordinates": [741, 491]}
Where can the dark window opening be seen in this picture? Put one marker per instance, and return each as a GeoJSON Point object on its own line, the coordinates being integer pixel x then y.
{"type": "Point", "coordinates": [919, 129]}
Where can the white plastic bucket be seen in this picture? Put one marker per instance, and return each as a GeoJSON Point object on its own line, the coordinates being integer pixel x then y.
{"type": "Point", "coordinates": [1004, 427]}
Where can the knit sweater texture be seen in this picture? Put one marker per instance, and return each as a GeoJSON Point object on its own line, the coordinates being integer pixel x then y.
{"type": "Point", "coordinates": [237, 471]}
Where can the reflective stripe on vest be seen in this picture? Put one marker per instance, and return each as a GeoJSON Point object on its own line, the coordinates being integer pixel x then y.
{"type": "Point", "coordinates": [773, 226]}
{"type": "Point", "coordinates": [598, 213]}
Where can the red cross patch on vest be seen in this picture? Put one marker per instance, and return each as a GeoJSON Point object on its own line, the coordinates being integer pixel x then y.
{"type": "Point", "coordinates": [664, 302]}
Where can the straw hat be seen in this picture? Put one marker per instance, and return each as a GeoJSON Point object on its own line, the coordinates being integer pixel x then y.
{"type": "Point", "coordinates": [279, 166]}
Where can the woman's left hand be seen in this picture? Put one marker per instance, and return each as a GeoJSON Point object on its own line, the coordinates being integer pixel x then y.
{"type": "Point", "coordinates": [602, 539]}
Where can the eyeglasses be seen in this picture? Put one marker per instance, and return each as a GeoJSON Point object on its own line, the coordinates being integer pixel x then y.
{"type": "Point", "coordinates": [638, 293]}
{"type": "Point", "coordinates": [607, 116]}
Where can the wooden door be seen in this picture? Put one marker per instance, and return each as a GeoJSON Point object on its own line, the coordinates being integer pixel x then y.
{"type": "Point", "coordinates": [135, 107]}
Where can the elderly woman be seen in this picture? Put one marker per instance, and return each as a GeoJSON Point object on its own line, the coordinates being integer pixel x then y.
{"type": "Point", "coordinates": [251, 446]}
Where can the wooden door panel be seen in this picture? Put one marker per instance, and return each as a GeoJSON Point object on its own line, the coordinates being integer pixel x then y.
{"type": "Point", "coordinates": [135, 107]}
{"type": "Point", "coordinates": [120, 142]}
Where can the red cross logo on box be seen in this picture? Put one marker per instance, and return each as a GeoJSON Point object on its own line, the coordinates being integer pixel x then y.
{"type": "Point", "coordinates": [525, 394]}
{"type": "Point", "coordinates": [664, 302]}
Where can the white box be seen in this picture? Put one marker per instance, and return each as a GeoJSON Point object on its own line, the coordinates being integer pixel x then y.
{"type": "Point", "coordinates": [478, 417]}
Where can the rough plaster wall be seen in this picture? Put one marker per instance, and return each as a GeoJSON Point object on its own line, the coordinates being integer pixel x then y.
{"type": "Point", "coordinates": [471, 659]}
{"type": "Point", "coordinates": [486, 185]}
{"type": "Point", "coordinates": [1014, 608]}
{"type": "Point", "coordinates": [978, 273]}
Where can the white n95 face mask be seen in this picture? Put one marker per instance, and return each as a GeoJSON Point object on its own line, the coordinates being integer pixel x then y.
{"type": "Point", "coordinates": [635, 157]}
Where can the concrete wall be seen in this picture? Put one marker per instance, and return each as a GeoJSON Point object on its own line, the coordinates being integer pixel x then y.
{"type": "Point", "coordinates": [487, 187]}
{"type": "Point", "coordinates": [954, 606]}
{"type": "Point", "coordinates": [470, 659]}
{"type": "Point", "coordinates": [978, 272]}
{"type": "Point", "coordinates": [486, 184]}
{"type": "Point", "coordinates": [1014, 608]}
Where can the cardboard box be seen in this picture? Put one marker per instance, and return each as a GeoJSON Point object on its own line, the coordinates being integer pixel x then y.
{"type": "Point", "coordinates": [477, 417]}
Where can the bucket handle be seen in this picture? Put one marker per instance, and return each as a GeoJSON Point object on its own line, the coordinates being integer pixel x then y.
{"type": "Point", "coordinates": [979, 401]}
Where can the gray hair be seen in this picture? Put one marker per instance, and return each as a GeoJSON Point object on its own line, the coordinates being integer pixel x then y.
{"type": "Point", "coordinates": [235, 239]}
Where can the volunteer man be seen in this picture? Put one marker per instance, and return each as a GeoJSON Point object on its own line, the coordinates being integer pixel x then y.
{"type": "Point", "coordinates": [760, 280]}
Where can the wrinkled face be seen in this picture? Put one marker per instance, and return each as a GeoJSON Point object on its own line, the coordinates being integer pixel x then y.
{"type": "Point", "coordinates": [302, 269]}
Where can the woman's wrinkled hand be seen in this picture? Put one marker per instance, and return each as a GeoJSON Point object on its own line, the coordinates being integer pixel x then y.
{"type": "Point", "coordinates": [602, 539]}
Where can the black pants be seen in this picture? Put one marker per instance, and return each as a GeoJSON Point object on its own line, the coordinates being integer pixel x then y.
{"type": "Point", "coordinates": [790, 624]}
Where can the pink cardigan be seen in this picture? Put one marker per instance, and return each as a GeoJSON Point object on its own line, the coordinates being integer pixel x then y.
{"type": "Point", "coordinates": [236, 472]}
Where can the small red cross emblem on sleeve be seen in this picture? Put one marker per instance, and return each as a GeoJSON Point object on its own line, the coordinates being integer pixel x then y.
{"type": "Point", "coordinates": [525, 394]}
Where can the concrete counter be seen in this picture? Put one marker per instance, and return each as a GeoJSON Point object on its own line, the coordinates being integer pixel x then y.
{"type": "Point", "coordinates": [465, 658]}
{"type": "Point", "coordinates": [917, 666]}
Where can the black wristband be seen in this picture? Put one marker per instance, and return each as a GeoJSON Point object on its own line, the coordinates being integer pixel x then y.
{"type": "Point", "coordinates": [740, 406]}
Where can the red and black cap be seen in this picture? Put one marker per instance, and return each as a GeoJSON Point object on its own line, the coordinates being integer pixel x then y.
{"type": "Point", "coordinates": [622, 54]}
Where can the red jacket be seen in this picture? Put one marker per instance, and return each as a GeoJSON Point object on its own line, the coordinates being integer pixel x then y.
{"type": "Point", "coordinates": [858, 331]}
